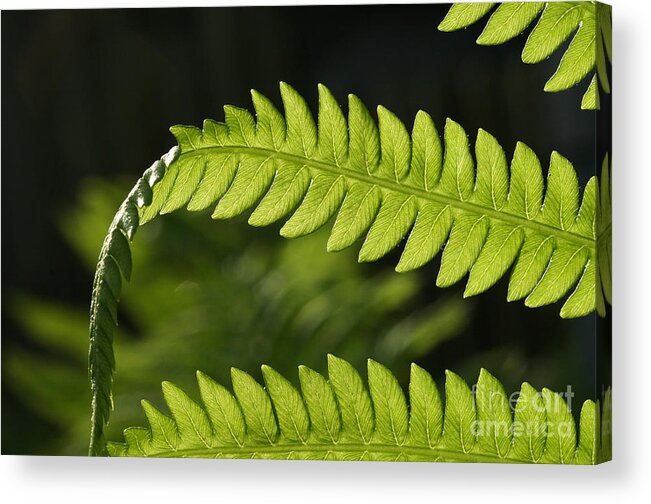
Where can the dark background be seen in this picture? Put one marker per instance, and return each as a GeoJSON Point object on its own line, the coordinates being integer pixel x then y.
{"type": "Point", "coordinates": [92, 93]}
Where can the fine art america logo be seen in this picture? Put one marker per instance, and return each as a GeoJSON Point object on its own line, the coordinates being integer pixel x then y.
{"type": "Point", "coordinates": [528, 407]}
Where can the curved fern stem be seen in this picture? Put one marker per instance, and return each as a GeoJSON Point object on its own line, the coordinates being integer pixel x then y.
{"type": "Point", "coordinates": [383, 185]}
{"type": "Point", "coordinates": [114, 263]}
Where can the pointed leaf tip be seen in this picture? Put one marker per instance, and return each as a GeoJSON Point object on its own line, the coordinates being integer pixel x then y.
{"type": "Point", "coordinates": [284, 87]}
{"type": "Point", "coordinates": [484, 373]}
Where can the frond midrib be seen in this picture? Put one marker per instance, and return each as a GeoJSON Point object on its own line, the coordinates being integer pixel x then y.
{"type": "Point", "coordinates": [359, 448]}
{"type": "Point", "coordinates": [409, 190]}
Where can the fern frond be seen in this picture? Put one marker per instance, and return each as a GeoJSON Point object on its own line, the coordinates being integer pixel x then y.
{"type": "Point", "coordinates": [341, 419]}
{"type": "Point", "coordinates": [386, 186]}
{"type": "Point", "coordinates": [380, 183]}
{"type": "Point", "coordinates": [590, 22]}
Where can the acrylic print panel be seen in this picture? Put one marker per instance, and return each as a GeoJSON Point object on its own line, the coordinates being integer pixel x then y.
{"type": "Point", "coordinates": [392, 244]}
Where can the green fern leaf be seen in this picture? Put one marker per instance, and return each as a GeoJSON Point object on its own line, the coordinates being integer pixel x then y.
{"type": "Point", "coordinates": [588, 449]}
{"type": "Point", "coordinates": [192, 422]}
{"type": "Point", "coordinates": [390, 405]}
{"type": "Point", "coordinates": [224, 411]}
{"type": "Point", "coordinates": [529, 426]}
{"type": "Point", "coordinates": [494, 415]}
{"type": "Point", "coordinates": [354, 401]}
{"type": "Point", "coordinates": [477, 427]}
{"type": "Point", "coordinates": [321, 405]}
{"type": "Point", "coordinates": [561, 432]}
{"type": "Point", "coordinates": [590, 22]}
{"type": "Point", "coordinates": [382, 184]}
{"type": "Point", "coordinates": [460, 419]}
{"type": "Point", "coordinates": [291, 412]}
{"type": "Point", "coordinates": [426, 409]}
{"type": "Point", "coordinates": [464, 14]}
{"type": "Point", "coordinates": [256, 406]}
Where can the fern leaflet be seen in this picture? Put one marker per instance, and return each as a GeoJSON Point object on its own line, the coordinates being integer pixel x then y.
{"type": "Point", "coordinates": [590, 22]}
{"type": "Point", "coordinates": [379, 182]}
{"type": "Point", "coordinates": [341, 419]}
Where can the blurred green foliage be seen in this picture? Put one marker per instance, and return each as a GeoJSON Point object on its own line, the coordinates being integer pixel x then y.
{"type": "Point", "coordinates": [210, 295]}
